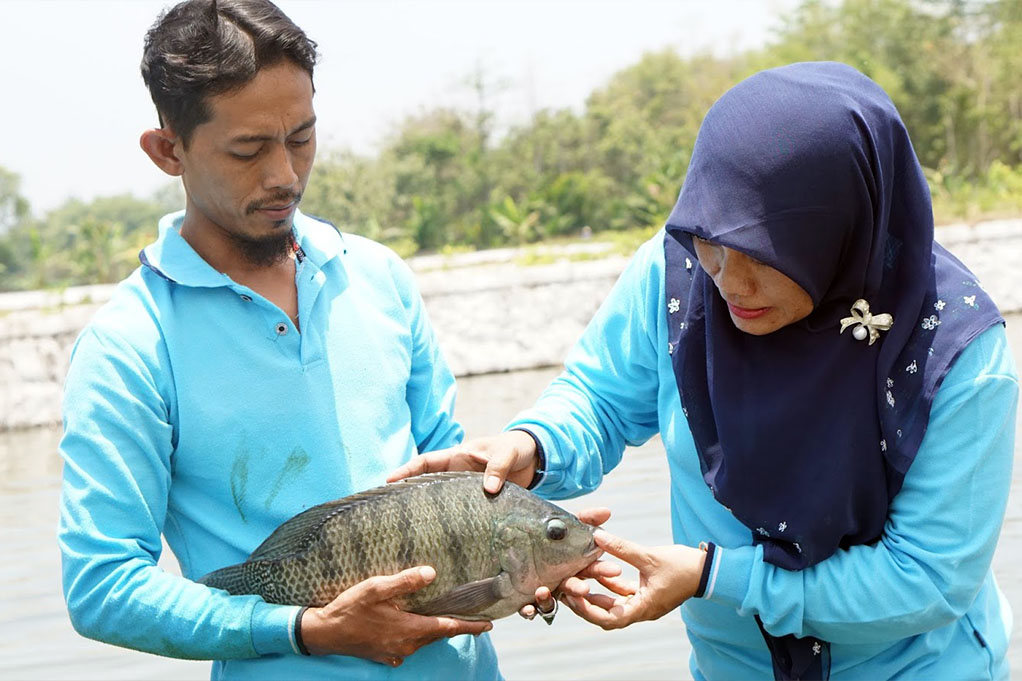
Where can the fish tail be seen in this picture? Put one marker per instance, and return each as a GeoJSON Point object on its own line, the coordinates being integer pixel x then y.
{"type": "Point", "coordinates": [232, 579]}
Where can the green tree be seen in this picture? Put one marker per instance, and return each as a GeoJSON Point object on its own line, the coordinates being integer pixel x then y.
{"type": "Point", "coordinates": [14, 213]}
{"type": "Point", "coordinates": [434, 184]}
{"type": "Point", "coordinates": [443, 177]}
{"type": "Point", "coordinates": [13, 206]}
{"type": "Point", "coordinates": [644, 123]}
{"type": "Point", "coordinates": [353, 192]}
{"type": "Point", "coordinates": [518, 223]}
{"type": "Point", "coordinates": [40, 254]}
{"type": "Point", "coordinates": [102, 254]}
{"type": "Point", "coordinates": [532, 156]}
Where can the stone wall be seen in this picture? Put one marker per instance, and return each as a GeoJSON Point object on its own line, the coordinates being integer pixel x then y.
{"type": "Point", "coordinates": [490, 314]}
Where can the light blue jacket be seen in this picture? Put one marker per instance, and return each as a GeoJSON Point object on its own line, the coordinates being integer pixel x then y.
{"type": "Point", "coordinates": [194, 409]}
{"type": "Point", "coordinates": [920, 604]}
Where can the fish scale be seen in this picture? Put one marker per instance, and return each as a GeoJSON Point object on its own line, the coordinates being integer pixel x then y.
{"type": "Point", "coordinates": [490, 552]}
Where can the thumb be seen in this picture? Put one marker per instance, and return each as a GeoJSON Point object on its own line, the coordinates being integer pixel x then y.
{"type": "Point", "coordinates": [497, 470]}
{"type": "Point", "coordinates": [511, 454]}
{"type": "Point", "coordinates": [386, 587]}
{"type": "Point", "coordinates": [630, 552]}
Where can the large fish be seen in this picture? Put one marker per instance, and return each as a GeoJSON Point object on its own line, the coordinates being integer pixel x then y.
{"type": "Point", "coordinates": [491, 552]}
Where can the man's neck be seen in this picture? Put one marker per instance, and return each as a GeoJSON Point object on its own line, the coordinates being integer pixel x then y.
{"type": "Point", "coordinates": [274, 279]}
{"type": "Point", "coordinates": [226, 254]}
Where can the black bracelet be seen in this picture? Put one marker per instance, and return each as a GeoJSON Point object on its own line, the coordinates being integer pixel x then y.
{"type": "Point", "coordinates": [707, 566]}
{"type": "Point", "coordinates": [540, 457]}
{"type": "Point", "coordinates": [299, 643]}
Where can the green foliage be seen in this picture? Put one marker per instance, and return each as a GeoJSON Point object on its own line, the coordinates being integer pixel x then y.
{"type": "Point", "coordinates": [518, 223]}
{"type": "Point", "coordinates": [997, 192]}
{"type": "Point", "coordinates": [13, 206]}
{"type": "Point", "coordinates": [352, 192]}
{"type": "Point", "coordinates": [575, 200]}
{"type": "Point", "coordinates": [443, 182]}
{"type": "Point", "coordinates": [647, 117]}
{"type": "Point", "coordinates": [82, 242]}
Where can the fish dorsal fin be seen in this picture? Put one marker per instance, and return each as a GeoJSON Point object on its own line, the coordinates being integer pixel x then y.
{"type": "Point", "coordinates": [425, 478]}
{"type": "Point", "coordinates": [295, 535]}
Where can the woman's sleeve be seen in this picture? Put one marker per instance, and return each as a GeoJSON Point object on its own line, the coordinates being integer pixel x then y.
{"type": "Point", "coordinates": [940, 534]}
{"type": "Point", "coordinates": [606, 398]}
{"type": "Point", "coordinates": [117, 448]}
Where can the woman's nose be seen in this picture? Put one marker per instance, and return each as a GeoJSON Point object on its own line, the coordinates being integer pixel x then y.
{"type": "Point", "coordinates": [735, 278]}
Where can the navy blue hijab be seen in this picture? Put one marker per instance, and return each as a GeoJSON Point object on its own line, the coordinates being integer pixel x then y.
{"type": "Point", "coordinates": [806, 434]}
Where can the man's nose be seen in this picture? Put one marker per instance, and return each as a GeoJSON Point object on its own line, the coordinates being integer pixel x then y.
{"type": "Point", "coordinates": [280, 171]}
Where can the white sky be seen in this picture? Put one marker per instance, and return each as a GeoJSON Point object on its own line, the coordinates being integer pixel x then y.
{"type": "Point", "coordinates": [72, 102]}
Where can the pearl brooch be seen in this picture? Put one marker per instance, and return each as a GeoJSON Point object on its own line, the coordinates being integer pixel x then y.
{"type": "Point", "coordinates": [867, 324]}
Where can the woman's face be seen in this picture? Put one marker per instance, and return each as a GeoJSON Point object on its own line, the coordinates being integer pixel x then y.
{"type": "Point", "coordinates": [760, 299]}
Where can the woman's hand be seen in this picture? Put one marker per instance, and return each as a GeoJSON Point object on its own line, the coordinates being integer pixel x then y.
{"type": "Point", "coordinates": [508, 456]}
{"type": "Point", "coordinates": [668, 576]}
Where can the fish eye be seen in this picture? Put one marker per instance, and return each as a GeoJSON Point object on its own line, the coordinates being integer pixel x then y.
{"type": "Point", "coordinates": [556, 529]}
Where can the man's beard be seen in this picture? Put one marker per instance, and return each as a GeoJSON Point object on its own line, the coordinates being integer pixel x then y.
{"type": "Point", "coordinates": [266, 251]}
{"type": "Point", "coordinates": [272, 249]}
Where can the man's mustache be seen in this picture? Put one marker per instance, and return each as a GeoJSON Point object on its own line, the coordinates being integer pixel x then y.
{"type": "Point", "coordinates": [279, 200]}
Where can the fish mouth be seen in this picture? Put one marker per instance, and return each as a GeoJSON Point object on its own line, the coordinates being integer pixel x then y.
{"type": "Point", "coordinates": [592, 551]}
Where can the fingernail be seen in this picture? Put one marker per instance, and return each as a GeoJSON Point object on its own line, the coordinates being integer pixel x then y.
{"type": "Point", "coordinates": [599, 534]}
{"type": "Point", "coordinates": [492, 484]}
{"type": "Point", "coordinates": [427, 572]}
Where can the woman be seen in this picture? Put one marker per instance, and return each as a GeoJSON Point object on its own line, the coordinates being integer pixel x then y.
{"type": "Point", "coordinates": [834, 391]}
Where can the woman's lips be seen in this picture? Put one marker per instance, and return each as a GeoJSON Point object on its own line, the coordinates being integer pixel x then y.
{"type": "Point", "coordinates": [747, 313]}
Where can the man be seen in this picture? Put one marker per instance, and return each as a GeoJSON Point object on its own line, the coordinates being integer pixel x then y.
{"type": "Point", "coordinates": [256, 364]}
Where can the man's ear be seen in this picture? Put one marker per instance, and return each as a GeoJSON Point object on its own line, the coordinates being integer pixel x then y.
{"type": "Point", "coordinates": [160, 145]}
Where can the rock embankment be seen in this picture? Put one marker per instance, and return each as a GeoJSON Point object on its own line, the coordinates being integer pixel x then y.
{"type": "Point", "coordinates": [490, 314]}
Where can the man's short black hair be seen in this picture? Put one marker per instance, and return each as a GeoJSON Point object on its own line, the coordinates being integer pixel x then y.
{"type": "Point", "coordinates": [201, 48]}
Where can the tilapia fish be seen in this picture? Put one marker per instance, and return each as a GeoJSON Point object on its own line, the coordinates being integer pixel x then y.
{"type": "Point", "coordinates": [490, 552]}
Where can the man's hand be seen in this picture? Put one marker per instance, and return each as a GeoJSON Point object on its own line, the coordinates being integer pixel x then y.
{"type": "Point", "coordinates": [668, 576]}
{"type": "Point", "coordinates": [508, 456]}
{"type": "Point", "coordinates": [365, 621]}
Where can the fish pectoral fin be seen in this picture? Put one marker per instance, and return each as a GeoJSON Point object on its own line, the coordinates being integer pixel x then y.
{"type": "Point", "coordinates": [470, 598]}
